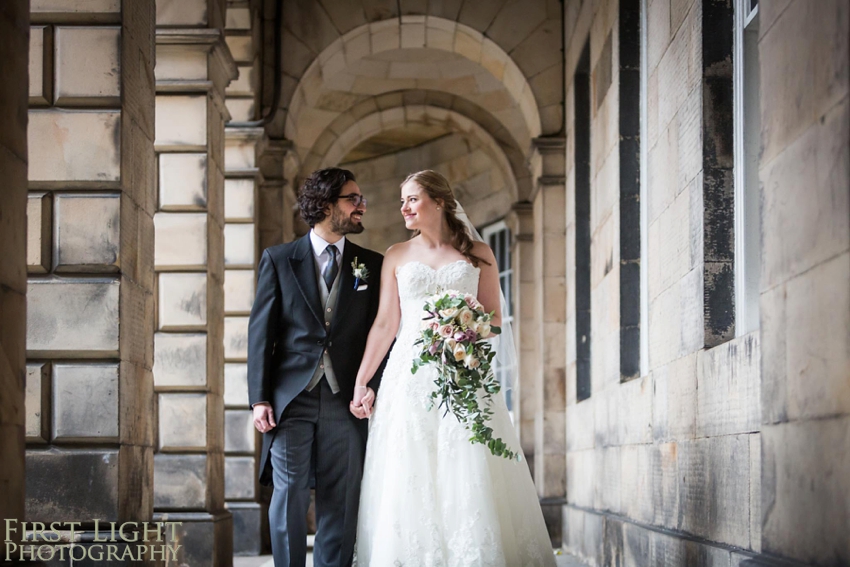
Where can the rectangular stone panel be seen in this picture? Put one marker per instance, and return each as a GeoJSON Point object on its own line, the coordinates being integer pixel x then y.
{"type": "Point", "coordinates": [240, 109]}
{"type": "Point", "coordinates": [239, 199]}
{"type": "Point", "coordinates": [181, 63]}
{"type": "Point", "coordinates": [87, 65]}
{"type": "Point", "coordinates": [236, 338]}
{"type": "Point", "coordinates": [180, 360]}
{"type": "Point", "coordinates": [181, 122]}
{"type": "Point", "coordinates": [238, 291]}
{"type": "Point", "coordinates": [239, 242]}
{"type": "Point", "coordinates": [39, 66]}
{"type": "Point", "coordinates": [239, 478]}
{"type": "Point", "coordinates": [182, 182]}
{"type": "Point", "coordinates": [68, 485]}
{"type": "Point", "coordinates": [72, 317]}
{"type": "Point", "coordinates": [39, 224]}
{"type": "Point", "coordinates": [179, 481]}
{"type": "Point", "coordinates": [182, 301]}
{"type": "Point", "coordinates": [239, 153]}
{"type": "Point", "coordinates": [80, 10]}
{"type": "Point", "coordinates": [235, 384]}
{"type": "Point", "coordinates": [181, 12]}
{"type": "Point", "coordinates": [238, 18]}
{"type": "Point", "coordinates": [37, 402]}
{"type": "Point", "coordinates": [85, 401]}
{"type": "Point", "coordinates": [182, 421]}
{"type": "Point", "coordinates": [239, 431]}
{"type": "Point", "coordinates": [74, 147]}
{"type": "Point", "coordinates": [244, 84]}
{"type": "Point", "coordinates": [240, 48]}
{"type": "Point", "coordinates": [247, 521]}
{"type": "Point", "coordinates": [87, 232]}
{"type": "Point", "coordinates": [181, 241]}
{"type": "Point", "coordinates": [805, 480]}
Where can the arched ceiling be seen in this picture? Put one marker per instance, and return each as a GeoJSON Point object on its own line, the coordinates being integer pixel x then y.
{"type": "Point", "coordinates": [403, 117]}
{"type": "Point", "coordinates": [366, 78]}
{"type": "Point", "coordinates": [503, 55]}
{"type": "Point", "coordinates": [379, 114]}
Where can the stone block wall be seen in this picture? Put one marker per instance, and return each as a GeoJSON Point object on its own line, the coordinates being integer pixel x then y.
{"type": "Point", "coordinates": [805, 300]}
{"type": "Point", "coordinates": [14, 422]}
{"type": "Point", "coordinates": [194, 67]}
{"type": "Point", "coordinates": [90, 261]}
{"type": "Point", "coordinates": [241, 441]}
{"type": "Point", "coordinates": [665, 468]}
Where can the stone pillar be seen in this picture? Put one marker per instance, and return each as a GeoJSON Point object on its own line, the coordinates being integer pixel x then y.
{"type": "Point", "coordinates": [90, 259]}
{"type": "Point", "coordinates": [194, 66]}
{"type": "Point", "coordinates": [551, 315]}
{"type": "Point", "coordinates": [276, 193]}
{"type": "Point", "coordinates": [521, 222]}
{"type": "Point", "coordinates": [240, 259]}
{"type": "Point", "coordinates": [14, 28]}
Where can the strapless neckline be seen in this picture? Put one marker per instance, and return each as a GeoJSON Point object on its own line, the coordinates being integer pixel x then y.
{"type": "Point", "coordinates": [406, 264]}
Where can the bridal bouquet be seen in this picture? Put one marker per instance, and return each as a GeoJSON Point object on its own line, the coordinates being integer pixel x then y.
{"type": "Point", "coordinates": [454, 326]}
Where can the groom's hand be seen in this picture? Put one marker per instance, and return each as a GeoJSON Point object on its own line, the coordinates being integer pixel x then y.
{"type": "Point", "coordinates": [263, 417]}
{"type": "Point", "coordinates": [361, 405]}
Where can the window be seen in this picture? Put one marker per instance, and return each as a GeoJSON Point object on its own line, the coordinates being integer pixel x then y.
{"type": "Point", "coordinates": [498, 236]}
{"type": "Point", "coordinates": [644, 197]}
{"type": "Point", "coordinates": [747, 141]}
{"type": "Point", "coordinates": [630, 188]}
{"type": "Point", "coordinates": [582, 223]}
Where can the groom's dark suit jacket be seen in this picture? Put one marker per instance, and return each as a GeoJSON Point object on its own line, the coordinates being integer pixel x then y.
{"type": "Point", "coordinates": [287, 333]}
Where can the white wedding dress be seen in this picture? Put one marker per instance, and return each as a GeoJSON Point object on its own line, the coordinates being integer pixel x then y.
{"type": "Point", "coordinates": [429, 497]}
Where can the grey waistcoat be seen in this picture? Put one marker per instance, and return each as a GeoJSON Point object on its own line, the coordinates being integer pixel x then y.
{"type": "Point", "coordinates": [325, 368]}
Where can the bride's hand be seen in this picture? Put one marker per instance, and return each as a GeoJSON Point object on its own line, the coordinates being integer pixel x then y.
{"type": "Point", "coordinates": [361, 404]}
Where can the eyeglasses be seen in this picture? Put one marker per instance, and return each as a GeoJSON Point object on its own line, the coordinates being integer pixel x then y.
{"type": "Point", "coordinates": [355, 199]}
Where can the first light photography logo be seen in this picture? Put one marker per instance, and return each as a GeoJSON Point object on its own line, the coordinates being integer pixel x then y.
{"type": "Point", "coordinates": [107, 541]}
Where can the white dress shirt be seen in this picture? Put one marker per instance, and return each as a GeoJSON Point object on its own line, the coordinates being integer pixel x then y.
{"type": "Point", "coordinates": [321, 254]}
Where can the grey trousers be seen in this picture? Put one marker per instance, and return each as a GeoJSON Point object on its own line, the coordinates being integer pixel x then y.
{"type": "Point", "coordinates": [316, 425]}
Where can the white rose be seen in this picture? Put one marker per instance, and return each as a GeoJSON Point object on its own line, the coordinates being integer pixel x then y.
{"type": "Point", "coordinates": [450, 344]}
{"type": "Point", "coordinates": [459, 352]}
{"type": "Point", "coordinates": [483, 330]}
{"type": "Point", "coordinates": [448, 312]}
{"type": "Point", "coordinates": [466, 317]}
{"type": "Point", "coordinates": [471, 362]}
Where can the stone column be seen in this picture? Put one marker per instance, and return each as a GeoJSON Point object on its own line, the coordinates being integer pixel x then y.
{"type": "Point", "coordinates": [240, 260]}
{"type": "Point", "coordinates": [14, 28]}
{"type": "Point", "coordinates": [194, 66]}
{"type": "Point", "coordinates": [551, 315]}
{"type": "Point", "coordinates": [521, 222]}
{"type": "Point", "coordinates": [90, 259]}
{"type": "Point", "coordinates": [276, 194]}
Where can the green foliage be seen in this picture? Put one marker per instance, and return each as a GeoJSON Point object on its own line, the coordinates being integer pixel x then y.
{"type": "Point", "coordinates": [465, 386]}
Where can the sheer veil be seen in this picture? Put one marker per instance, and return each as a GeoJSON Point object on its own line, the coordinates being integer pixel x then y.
{"type": "Point", "coordinates": [503, 344]}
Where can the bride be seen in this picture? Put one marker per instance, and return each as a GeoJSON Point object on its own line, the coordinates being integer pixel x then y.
{"type": "Point", "coordinates": [429, 497]}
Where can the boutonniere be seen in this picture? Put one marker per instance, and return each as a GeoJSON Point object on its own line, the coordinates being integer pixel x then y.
{"type": "Point", "coordinates": [360, 271]}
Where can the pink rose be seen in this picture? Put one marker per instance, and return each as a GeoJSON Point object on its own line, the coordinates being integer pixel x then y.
{"type": "Point", "coordinates": [446, 331]}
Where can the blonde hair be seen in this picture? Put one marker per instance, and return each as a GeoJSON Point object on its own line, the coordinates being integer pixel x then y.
{"type": "Point", "coordinates": [437, 188]}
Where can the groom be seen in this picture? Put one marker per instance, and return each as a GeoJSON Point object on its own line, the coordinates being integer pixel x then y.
{"type": "Point", "coordinates": [306, 336]}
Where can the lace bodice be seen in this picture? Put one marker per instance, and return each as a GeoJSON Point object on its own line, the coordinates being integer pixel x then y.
{"type": "Point", "coordinates": [417, 281]}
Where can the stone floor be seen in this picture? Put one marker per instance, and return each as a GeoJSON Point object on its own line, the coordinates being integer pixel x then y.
{"type": "Point", "coordinates": [561, 559]}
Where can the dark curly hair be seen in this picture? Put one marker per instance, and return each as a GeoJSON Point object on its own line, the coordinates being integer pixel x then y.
{"type": "Point", "coordinates": [320, 190]}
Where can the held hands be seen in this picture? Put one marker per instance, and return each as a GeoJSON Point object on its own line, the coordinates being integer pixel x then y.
{"type": "Point", "coordinates": [263, 417]}
{"type": "Point", "coordinates": [364, 399]}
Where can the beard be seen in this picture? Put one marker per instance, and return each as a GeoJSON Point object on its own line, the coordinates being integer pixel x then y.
{"type": "Point", "coordinates": [344, 224]}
